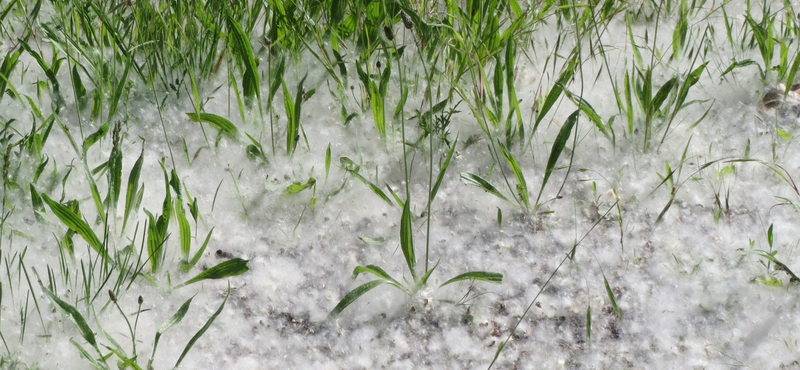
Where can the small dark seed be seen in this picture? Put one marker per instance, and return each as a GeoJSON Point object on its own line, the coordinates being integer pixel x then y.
{"type": "Point", "coordinates": [388, 31]}
{"type": "Point", "coordinates": [378, 64]}
{"type": "Point", "coordinates": [141, 300]}
{"type": "Point", "coordinates": [112, 296]}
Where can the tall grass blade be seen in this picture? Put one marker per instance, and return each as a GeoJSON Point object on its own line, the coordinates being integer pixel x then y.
{"type": "Point", "coordinates": [522, 186]}
{"type": "Point", "coordinates": [204, 328]}
{"type": "Point", "coordinates": [174, 320]}
{"type": "Point", "coordinates": [556, 90]}
{"type": "Point", "coordinates": [407, 240]}
{"type": "Point", "coordinates": [613, 299]}
{"type": "Point", "coordinates": [133, 196]}
{"type": "Point", "coordinates": [240, 43]}
{"type": "Point", "coordinates": [558, 146]}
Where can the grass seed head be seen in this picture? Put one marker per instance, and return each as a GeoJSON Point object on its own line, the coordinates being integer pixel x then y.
{"type": "Point", "coordinates": [141, 300]}
{"type": "Point", "coordinates": [388, 31]}
{"type": "Point", "coordinates": [406, 21]}
{"type": "Point", "coordinates": [112, 296]}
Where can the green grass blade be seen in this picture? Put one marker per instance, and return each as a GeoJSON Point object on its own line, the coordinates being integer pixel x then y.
{"type": "Point", "coordinates": [204, 328]}
{"type": "Point", "coordinates": [174, 320]}
{"type": "Point", "coordinates": [407, 240]}
{"type": "Point", "coordinates": [379, 272]}
{"type": "Point", "coordinates": [522, 186]}
{"type": "Point", "coordinates": [224, 126]}
{"type": "Point", "coordinates": [184, 229]}
{"type": "Point", "coordinates": [232, 267]}
{"type": "Point", "coordinates": [75, 223]}
{"type": "Point", "coordinates": [327, 162]}
{"type": "Point", "coordinates": [558, 146]}
{"type": "Point", "coordinates": [613, 298]}
{"type": "Point", "coordinates": [556, 91]}
{"type": "Point", "coordinates": [443, 169]}
{"type": "Point", "coordinates": [589, 111]}
{"type": "Point", "coordinates": [240, 43]}
{"type": "Point", "coordinates": [185, 267]}
{"type": "Point", "coordinates": [482, 183]}
{"type": "Point", "coordinates": [95, 137]}
{"type": "Point", "coordinates": [117, 93]}
{"type": "Point", "coordinates": [297, 186]}
{"type": "Point", "coordinates": [77, 318]}
{"type": "Point", "coordinates": [662, 94]}
{"type": "Point", "coordinates": [489, 277]}
{"type": "Point", "coordinates": [354, 294]}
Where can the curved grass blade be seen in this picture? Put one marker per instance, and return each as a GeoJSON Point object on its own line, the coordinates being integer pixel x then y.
{"type": "Point", "coordinates": [174, 320]}
{"type": "Point", "coordinates": [489, 277]}
{"type": "Point", "coordinates": [233, 267]}
{"type": "Point", "coordinates": [558, 147]}
{"type": "Point", "coordinates": [224, 126]}
{"type": "Point", "coordinates": [80, 322]}
{"type": "Point", "coordinates": [379, 272]}
{"type": "Point", "coordinates": [75, 223]}
{"type": "Point", "coordinates": [440, 177]}
{"type": "Point", "coordinates": [354, 294]}
{"type": "Point", "coordinates": [482, 183]}
{"type": "Point", "coordinates": [556, 91]}
{"type": "Point", "coordinates": [204, 328]}
{"type": "Point", "coordinates": [185, 267]}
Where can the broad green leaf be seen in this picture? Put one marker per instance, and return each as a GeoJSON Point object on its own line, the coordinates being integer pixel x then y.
{"type": "Point", "coordinates": [224, 126]}
{"type": "Point", "coordinates": [232, 267]}
{"type": "Point", "coordinates": [407, 240]}
{"type": "Point", "coordinates": [240, 43]}
{"type": "Point", "coordinates": [297, 186]}
{"type": "Point", "coordinates": [75, 223]}
{"type": "Point", "coordinates": [95, 137]}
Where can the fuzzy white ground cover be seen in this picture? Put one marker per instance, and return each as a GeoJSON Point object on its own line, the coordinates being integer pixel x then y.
{"type": "Point", "coordinates": [685, 286]}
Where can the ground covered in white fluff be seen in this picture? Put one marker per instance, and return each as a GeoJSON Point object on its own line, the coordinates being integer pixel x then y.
{"type": "Point", "coordinates": [691, 289]}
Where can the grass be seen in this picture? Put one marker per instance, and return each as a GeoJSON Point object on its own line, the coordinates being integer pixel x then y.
{"type": "Point", "coordinates": [419, 73]}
